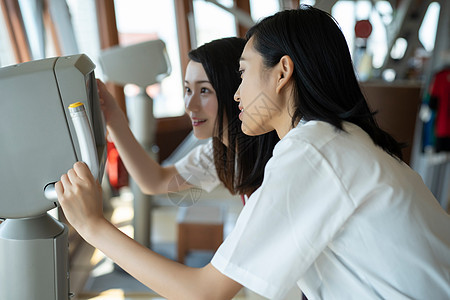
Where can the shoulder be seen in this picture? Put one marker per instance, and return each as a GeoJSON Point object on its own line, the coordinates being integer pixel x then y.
{"type": "Point", "coordinates": [201, 156]}
{"type": "Point", "coordinates": [321, 134]}
{"type": "Point", "coordinates": [206, 148]}
{"type": "Point", "coordinates": [314, 133]}
{"type": "Point", "coordinates": [198, 167]}
{"type": "Point", "coordinates": [203, 151]}
{"type": "Point", "coordinates": [302, 150]}
{"type": "Point", "coordinates": [317, 145]}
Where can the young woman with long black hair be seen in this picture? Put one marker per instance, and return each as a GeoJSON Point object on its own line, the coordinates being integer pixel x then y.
{"type": "Point", "coordinates": [347, 217]}
{"type": "Point", "coordinates": [338, 213]}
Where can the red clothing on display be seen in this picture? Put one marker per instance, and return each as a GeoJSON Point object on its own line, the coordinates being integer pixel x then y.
{"type": "Point", "coordinates": [440, 89]}
{"type": "Point", "coordinates": [440, 93]}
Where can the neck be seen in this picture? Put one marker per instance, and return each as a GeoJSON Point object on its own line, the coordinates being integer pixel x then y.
{"type": "Point", "coordinates": [283, 122]}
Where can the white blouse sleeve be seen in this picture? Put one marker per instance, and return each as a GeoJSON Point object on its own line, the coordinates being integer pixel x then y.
{"type": "Point", "coordinates": [198, 167]}
{"type": "Point", "coordinates": [286, 223]}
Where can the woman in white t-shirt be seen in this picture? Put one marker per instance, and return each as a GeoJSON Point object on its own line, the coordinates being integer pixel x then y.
{"type": "Point", "coordinates": [338, 213]}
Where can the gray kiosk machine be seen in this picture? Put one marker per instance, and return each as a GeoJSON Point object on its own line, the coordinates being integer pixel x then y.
{"type": "Point", "coordinates": [41, 137]}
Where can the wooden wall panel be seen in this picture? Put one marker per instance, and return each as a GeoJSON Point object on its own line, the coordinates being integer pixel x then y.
{"type": "Point", "coordinates": [397, 106]}
{"type": "Point", "coordinates": [243, 5]}
{"type": "Point", "coordinates": [183, 9]}
{"type": "Point", "coordinates": [16, 30]}
{"type": "Point", "coordinates": [108, 34]}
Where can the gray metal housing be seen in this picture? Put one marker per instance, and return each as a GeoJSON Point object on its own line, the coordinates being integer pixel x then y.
{"type": "Point", "coordinates": [34, 259]}
{"type": "Point", "coordinates": [38, 143]}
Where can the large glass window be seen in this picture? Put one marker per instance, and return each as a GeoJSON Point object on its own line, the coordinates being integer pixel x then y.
{"type": "Point", "coordinates": [212, 22]}
{"type": "Point", "coordinates": [378, 15]}
{"type": "Point", "coordinates": [141, 20]}
{"type": "Point", "coordinates": [32, 13]}
{"type": "Point", "coordinates": [84, 20]}
{"type": "Point", "coordinates": [427, 31]}
{"type": "Point", "coordinates": [370, 57]}
{"type": "Point", "coordinates": [260, 10]}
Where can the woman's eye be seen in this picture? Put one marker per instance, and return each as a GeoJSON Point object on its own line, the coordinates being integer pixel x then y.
{"type": "Point", "coordinates": [187, 90]}
{"type": "Point", "coordinates": [241, 72]}
{"type": "Point", "coordinates": [204, 90]}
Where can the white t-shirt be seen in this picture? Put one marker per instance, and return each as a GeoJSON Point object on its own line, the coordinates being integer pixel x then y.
{"type": "Point", "coordinates": [342, 219]}
{"type": "Point", "coordinates": [198, 167]}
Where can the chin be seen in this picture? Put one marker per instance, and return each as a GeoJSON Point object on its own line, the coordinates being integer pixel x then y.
{"type": "Point", "coordinates": [253, 131]}
{"type": "Point", "coordinates": [201, 135]}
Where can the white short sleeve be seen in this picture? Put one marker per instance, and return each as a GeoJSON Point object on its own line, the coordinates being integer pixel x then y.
{"type": "Point", "coordinates": [198, 167]}
{"type": "Point", "coordinates": [268, 251]}
{"type": "Point", "coordinates": [327, 200]}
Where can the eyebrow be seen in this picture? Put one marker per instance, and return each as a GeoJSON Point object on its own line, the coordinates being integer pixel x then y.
{"type": "Point", "coordinates": [200, 81]}
{"type": "Point", "coordinates": [242, 58]}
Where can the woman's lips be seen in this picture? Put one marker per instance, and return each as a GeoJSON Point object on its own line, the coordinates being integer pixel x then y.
{"type": "Point", "coordinates": [241, 113]}
{"type": "Point", "coordinates": [198, 122]}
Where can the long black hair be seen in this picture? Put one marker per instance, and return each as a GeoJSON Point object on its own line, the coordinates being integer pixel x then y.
{"type": "Point", "coordinates": [239, 164]}
{"type": "Point", "coordinates": [326, 87]}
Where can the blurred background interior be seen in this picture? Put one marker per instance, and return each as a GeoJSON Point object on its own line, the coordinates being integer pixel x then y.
{"type": "Point", "coordinates": [399, 47]}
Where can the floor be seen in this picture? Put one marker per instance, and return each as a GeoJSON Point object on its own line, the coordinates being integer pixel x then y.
{"type": "Point", "coordinates": [94, 276]}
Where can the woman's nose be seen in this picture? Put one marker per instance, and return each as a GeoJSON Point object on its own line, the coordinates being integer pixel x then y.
{"type": "Point", "coordinates": [237, 95]}
{"type": "Point", "coordinates": [191, 103]}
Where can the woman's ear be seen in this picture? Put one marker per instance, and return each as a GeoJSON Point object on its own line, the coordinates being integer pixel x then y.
{"type": "Point", "coordinates": [285, 70]}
